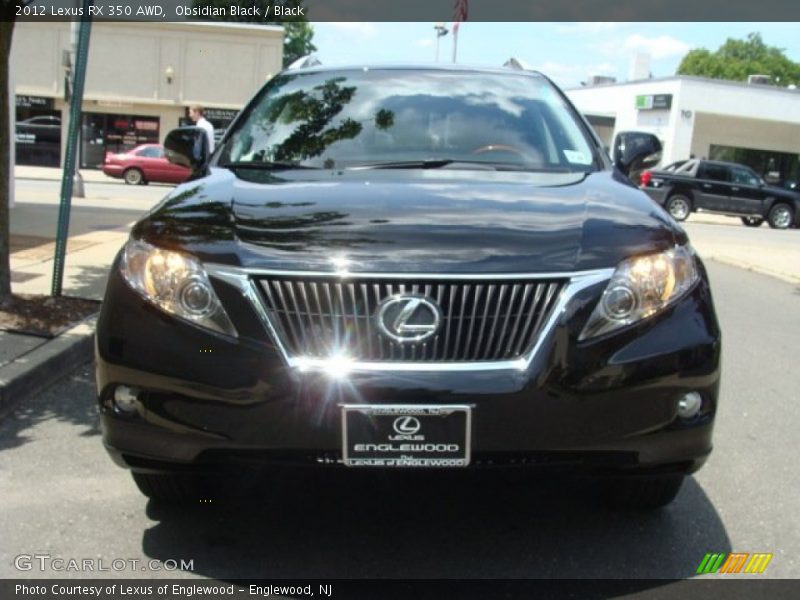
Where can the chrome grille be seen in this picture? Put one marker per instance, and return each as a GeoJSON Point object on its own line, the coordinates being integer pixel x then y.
{"type": "Point", "coordinates": [486, 320]}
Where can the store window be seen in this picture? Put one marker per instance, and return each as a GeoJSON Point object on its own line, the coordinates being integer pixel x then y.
{"type": "Point", "coordinates": [102, 133]}
{"type": "Point", "coordinates": [37, 134]}
{"type": "Point", "coordinates": [777, 168]}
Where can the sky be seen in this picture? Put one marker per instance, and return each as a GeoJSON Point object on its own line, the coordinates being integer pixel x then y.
{"type": "Point", "coordinates": [566, 52]}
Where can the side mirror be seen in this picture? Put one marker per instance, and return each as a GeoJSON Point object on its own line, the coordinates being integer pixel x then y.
{"type": "Point", "coordinates": [188, 147]}
{"type": "Point", "coordinates": [635, 151]}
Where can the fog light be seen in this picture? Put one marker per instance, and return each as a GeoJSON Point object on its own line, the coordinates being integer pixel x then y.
{"type": "Point", "coordinates": [126, 399]}
{"type": "Point", "coordinates": [689, 405]}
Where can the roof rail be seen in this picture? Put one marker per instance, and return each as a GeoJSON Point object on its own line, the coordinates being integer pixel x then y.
{"type": "Point", "coordinates": [309, 60]}
{"type": "Point", "coordinates": [517, 64]}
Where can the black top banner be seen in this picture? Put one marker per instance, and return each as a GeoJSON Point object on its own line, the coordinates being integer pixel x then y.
{"type": "Point", "coordinates": [402, 10]}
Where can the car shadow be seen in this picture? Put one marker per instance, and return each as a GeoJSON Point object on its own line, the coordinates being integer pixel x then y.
{"type": "Point", "coordinates": [20, 419]}
{"type": "Point", "coordinates": [486, 524]}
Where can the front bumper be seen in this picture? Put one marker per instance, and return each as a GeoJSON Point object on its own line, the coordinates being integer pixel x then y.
{"type": "Point", "coordinates": [609, 403]}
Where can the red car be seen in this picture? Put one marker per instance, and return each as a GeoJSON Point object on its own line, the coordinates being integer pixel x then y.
{"type": "Point", "coordinates": [144, 164]}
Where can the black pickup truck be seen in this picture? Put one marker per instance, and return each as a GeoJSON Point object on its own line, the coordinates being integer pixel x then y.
{"type": "Point", "coordinates": [723, 188]}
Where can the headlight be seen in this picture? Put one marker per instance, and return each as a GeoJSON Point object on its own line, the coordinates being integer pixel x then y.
{"type": "Point", "coordinates": [640, 287]}
{"type": "Point", "coordinates": [176, 283]}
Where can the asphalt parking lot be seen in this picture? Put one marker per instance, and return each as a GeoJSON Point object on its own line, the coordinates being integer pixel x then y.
{"type": "Point", "coordinates": [62, 496]}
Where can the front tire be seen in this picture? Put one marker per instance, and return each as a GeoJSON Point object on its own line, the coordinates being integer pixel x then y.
{"type": "Point", "coordinates": [780, 216]}
{"type": "Point", "coordinates": [640, 492]}
{"type": "Point", "coordinates": [679, 207]}
{"type": "Point", "coordinates": [752, 221]}
{"type": "Point", "coordinates": [133, 177]}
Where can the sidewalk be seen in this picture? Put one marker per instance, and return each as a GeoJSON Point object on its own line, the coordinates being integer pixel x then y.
{"type": "Point", "coordinates": [28, 363]}
{"type": "Point", "coordinates": [88, 260]}
{"type": "Point", "coordinates": [53, 174]}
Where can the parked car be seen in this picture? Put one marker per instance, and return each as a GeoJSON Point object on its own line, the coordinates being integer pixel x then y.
{"type": "Point", "coordinates": [406, 268]}
{"type": "Point", "coordinates": [674, 166]}
{"type": "Point", "coordinates": [722, 188]}
{"type": "Point", "coordinates": [38, 141]}
{"type": "Point", "coordinates": [144, 164]}
{"type": "Point", "coordinates": [41, 129]}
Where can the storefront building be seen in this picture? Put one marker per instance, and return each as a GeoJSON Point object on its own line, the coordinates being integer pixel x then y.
{"type": "Point", "coordinates": [755, 125]}
{"type": "Point", "coordinates": [140, 81]}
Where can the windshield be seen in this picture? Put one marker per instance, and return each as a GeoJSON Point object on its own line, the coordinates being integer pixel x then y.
{"type": "Point", "coordinates": [350, 119]}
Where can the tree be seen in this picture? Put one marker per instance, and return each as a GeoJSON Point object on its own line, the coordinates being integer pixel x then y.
{"type": "Point", "coordinates": [297, 41]}
{"type": "Point", "coordinates": [297, 32]}
{"type": "Point", "coordinates": [8, 11]}
{"type": "Point", "coordinates": [736, 59]}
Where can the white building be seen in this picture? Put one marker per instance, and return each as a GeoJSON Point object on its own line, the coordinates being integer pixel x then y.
{"type": "Point", "coordinates": [757, 125]}
{"type": "Point", "coordinates": [140, 80]}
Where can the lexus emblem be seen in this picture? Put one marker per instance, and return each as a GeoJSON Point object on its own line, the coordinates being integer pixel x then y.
{"type": "Point", "coordinates": [408, 318]}
{"type": "Point", "coordinates": [406, 425]}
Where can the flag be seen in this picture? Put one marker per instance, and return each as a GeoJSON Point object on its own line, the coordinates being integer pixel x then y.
{"type": "Point", "coordinates": [460, 13]}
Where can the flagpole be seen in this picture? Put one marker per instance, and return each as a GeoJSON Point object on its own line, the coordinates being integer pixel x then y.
{"type": "Point", "coordinates": [460, 13]}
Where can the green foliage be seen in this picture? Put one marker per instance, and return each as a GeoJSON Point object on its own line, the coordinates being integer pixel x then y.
{"type": "Point", "coordinates": [297, 32]}
{"type": "Point", "coordinates": [297, 41]}
{"type": "Point", "coordinates": [736, 59]}
{"type": "Point", "coordinates": [313, 112]}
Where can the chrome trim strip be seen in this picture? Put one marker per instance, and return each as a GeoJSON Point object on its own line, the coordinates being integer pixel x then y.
{"type": "Point", "coordinates": [241, 279]}
{"type": "Point", "coordinates": [213, 267]}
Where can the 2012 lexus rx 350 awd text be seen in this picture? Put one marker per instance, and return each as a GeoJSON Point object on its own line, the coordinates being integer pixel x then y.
{"type": "Point", "coordinates": [407, 268]}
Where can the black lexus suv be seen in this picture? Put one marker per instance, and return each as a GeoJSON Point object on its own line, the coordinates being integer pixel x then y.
{"type": "Point", "coordinates": [409, 268]}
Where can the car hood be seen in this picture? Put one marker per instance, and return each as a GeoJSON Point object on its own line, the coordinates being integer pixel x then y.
{"type": "Point", "coordinates": [444, 220]}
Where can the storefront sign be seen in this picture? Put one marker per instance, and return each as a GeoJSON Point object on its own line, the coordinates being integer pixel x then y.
{"type": "Point", "coordinates": [220, 118]}
{"type": "Point", "coordinates": [224, 115]}
{"type": "Point", "coordinates": [38, 102]}
{"type": "Point", "coordinates": [654, 102]}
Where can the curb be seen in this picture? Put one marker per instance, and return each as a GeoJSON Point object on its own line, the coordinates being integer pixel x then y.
{"type": "Point", "coordinates": [754, 268]}
{"type": "Point", "coordinates": [40, 178]}
{"type": "Point", "coordinates": [43, 366]}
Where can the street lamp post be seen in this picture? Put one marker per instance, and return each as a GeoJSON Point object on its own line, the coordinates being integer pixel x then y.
{"type": "Point", "coordinates": [441, 31]}
{"type": "Point", "coordinates": [78, 190]}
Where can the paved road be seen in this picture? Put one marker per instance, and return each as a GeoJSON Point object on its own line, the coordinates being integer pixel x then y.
{"type": "Point", "coordinates": [62, 495]}
{"type": "Point", "coordinates": [35, 209]}
{"type": "Point", "coordinates": [761, 249]}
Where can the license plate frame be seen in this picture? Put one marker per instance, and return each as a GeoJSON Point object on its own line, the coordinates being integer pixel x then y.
{"type": "Point", "coordinates": [406, 435]}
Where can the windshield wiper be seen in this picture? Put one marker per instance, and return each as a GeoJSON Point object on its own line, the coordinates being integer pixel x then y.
{"type": "Point", "coordinates": [264, 166]}
{"type": "Point", "coordinates": [436, 163]}
{"type": "Point", "coordinates": [428, 163]}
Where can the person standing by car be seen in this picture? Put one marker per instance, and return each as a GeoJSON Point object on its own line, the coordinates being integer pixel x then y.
{"type": "Point", "coordinates": [196, 114]}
